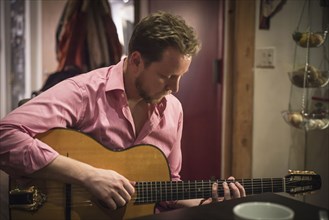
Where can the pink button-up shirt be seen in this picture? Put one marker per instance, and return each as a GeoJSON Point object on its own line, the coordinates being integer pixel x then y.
{"type": "Point", "coordinates": [94, 103]}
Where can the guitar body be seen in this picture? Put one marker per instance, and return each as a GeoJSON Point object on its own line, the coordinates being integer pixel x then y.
{"type": "Point", "coordinates": [138, 163]}
{"type": "Point", "coordinates": [144, 164]}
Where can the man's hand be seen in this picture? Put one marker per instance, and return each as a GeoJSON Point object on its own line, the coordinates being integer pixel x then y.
{"type": "Point", "coordinates": [231, 190]}
{"type": "Point", "coordinates": [113, 189]}
{"type": "Point", "coordinates": [107, 186]}
{"type": "Point", "coordinates": [237, 190]}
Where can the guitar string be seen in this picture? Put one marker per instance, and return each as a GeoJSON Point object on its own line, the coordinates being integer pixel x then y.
{"type": "Point", "coordinates": [251, 184]}
{"type": "Point", "coordinates": [168, 184]}
{"type": "Point", "coordinates": [180, 187]}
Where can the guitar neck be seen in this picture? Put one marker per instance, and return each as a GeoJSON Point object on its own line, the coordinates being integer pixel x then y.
{"type": "Point", "coordinates": [152, 192]}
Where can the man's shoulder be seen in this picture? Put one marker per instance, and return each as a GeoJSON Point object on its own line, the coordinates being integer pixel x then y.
{"type": "Point", "coordinates": [173, 102]}
{"type": "Point", "coordinates": [100, 75]}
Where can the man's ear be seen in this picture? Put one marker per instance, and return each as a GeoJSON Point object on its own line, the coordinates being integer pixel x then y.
{"type": "Point", "coordinates": [136, 59]}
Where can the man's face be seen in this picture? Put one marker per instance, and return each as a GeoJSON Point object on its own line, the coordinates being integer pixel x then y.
{"type": "Point", "coordinates": [162, 77]}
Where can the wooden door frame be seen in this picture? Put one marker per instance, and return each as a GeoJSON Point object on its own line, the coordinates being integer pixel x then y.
{"type": "Point", "coordinates": [238, 91]}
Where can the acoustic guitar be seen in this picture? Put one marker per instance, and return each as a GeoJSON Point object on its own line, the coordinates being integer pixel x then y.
{"type": "Point", "coordinates": [145, 164]}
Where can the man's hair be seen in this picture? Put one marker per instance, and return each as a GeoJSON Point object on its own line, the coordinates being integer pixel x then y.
{"type": "Point", "coordinates": [160, 30]}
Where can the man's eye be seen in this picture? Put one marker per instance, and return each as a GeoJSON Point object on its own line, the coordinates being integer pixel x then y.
{"type": "Point", "coordinates": [166, 76]}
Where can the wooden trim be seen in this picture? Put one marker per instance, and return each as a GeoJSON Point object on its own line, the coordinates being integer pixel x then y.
{"type": "Point", "coordinates": [242, 88]}
{"type": "Point", "coordinates": [243, 84]}
{"type": "Point", "coordinates": [227, 117]}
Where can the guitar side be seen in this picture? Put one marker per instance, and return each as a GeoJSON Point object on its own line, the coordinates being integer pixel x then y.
{"type": "Point", "coordinates": [138, 163]}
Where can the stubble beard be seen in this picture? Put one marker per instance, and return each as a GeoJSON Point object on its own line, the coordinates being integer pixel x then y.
{"type": "Point", "coordinates": [145, 96]}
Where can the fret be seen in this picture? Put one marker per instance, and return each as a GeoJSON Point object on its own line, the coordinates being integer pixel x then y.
{"type": "Point", "coordinates": [194, 190]}
{"type": "Point", "coordinates": [163, 191]}
{"type": "Point", "coordinates": [277, 185]}
{"type": "Point", "coordinates": [137, 192]}
{"type": "Point", "coordinates": [267, 185]}
{"type": "Point", "coordinates": [189, 189]}
{"type": "Point", "coordinates": [171, 198]}
{"type": "Point", "coordinates": [257, 188]}
{"type": "Point", "coordinates": [178, 190]}
{"type": "Point", "coordinates": [248, 186]}
{"type": "Point", "coordinates": [186, 190]}
{"type": "Point", "coordinates": [209, 189]}
{"type": "Point", "coordinates": [144, 188]}
{"type": "Point", "coordinates": [151, 192]}
{"type": "Point", "coordinates": [220, 188]}
{"type": "Point", "coordinates": [183, 190]}
{"type": "Point", "coordinates": [252, 187]}
{"type": "Point", "coordinates": [142, 193]}
{"type": "Point", "coordinates": [176, 197]}
{"type": "Point", "coordinates": [199, 189]}
{"type": "Point", "coordinates": [203, 189]}
{"type": "Point", "coordinates": [159, 186]}
{"type": "Point", "coordinates": [175, 190]}
{"type": "Point", "coordinates": [155, 192]}
{"type": "Point", "coordinates": [165, 188]}
{"type": "Point", "coordinates": [158, 191]}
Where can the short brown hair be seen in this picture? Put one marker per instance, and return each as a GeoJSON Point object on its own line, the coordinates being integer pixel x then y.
{"type": "Point", "coordinates": [160, 30]}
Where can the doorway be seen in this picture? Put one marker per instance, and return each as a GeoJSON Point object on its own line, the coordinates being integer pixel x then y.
{"type": "Point", "coordinates": [201, 90]}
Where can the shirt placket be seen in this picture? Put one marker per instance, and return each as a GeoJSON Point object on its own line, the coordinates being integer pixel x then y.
{"type": "Point", "coordinates": [150, 125]}
{"type": "Point", "coordinates": [127, 113]}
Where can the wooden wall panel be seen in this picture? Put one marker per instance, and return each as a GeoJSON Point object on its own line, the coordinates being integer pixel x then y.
{"type": "Point", "coordinates": [243, 77]}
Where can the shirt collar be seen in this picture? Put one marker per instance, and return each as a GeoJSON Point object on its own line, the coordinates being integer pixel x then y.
{"type": "Point", "coordinates": [115, 78]}
{"type": "Point", "coordinates": [161, 106]}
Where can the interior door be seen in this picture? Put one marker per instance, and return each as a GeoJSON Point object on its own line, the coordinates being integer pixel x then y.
{"type": "Point", "coordinates": [200, 89]}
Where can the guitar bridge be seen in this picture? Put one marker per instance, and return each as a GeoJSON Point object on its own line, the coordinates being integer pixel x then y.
{"type": "Point", "coordinates": [29, 199]}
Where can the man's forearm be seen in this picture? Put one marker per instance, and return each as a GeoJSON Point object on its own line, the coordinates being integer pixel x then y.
{"type": "Point", "coordinates": [64, 169]}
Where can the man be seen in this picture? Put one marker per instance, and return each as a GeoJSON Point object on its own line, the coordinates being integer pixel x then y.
{"type": "Point", "coordinates": [122, 105]}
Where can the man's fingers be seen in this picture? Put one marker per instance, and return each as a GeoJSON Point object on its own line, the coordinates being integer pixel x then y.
{"type": "Point", "coordinates": [241, 189]}
{"type": "Point", "coordinates": [119, 200]}
{"type": "Point", "coordinates": [123, 195]}
{"type": "Point", "coordinates": [214, 192]}
{"type": "Point", "coordinates": [227, 193]}
{"type": "Point", "coordinates": [235, 191]}
{"type": "Point", "coordinates": [130, 187]}
{"type": "Point", "coordinates": [231, 190]}
{"type": "Point", "coordinates": [119, 197]}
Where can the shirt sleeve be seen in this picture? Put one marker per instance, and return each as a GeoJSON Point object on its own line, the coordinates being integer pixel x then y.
{"type": "Point", "coordinates": [20, 152]}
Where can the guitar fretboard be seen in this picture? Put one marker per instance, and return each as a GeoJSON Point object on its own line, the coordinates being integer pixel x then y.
{"type": "Point", "coordinates": [152, 192]}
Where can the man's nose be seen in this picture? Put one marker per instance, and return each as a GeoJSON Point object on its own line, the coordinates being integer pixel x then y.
{"type": "Point", "coordinates": [173, 84]}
